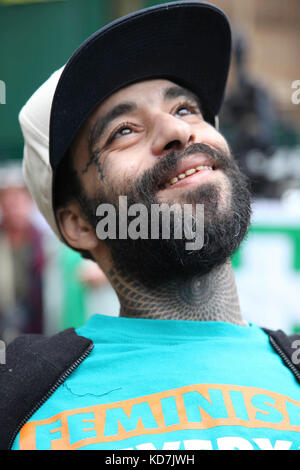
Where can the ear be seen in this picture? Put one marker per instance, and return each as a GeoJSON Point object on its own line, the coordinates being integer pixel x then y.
{"type": "Point", "coordinates": [76, 230]}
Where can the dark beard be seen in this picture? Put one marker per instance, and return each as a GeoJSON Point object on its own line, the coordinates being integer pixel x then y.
{"type": "Point", "coordinates": [155, 261]}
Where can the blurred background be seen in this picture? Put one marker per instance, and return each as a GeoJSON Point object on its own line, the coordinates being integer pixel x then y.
{"type": "Point", "coordinates": [44, 286]}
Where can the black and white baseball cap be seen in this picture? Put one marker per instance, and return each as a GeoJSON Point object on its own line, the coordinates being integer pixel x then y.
{"type": "Point", "coordinates": [187, 42]}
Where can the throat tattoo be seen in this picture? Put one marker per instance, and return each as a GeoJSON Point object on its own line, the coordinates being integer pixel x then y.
{"type": "Point", "coordinates": [211, 297]}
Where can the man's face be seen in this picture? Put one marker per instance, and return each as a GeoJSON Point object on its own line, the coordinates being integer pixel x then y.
{"type": "Point", "coordinates": [137, 127]}
{"type": "Point", "coordinates": [150, 142]}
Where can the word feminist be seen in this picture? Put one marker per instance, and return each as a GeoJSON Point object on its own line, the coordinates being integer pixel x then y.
{"type": "Point", "coordinates": [159, 222]}
{"type": "Point", "coordinates": [143, 423]}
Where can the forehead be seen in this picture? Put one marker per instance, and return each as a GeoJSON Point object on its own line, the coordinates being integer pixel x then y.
{"type": "Point", "coordinates": [139, 90]}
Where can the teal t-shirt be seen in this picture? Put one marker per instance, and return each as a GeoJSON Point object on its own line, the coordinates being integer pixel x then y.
{"type": "Point", "coordinates": [171, 385]}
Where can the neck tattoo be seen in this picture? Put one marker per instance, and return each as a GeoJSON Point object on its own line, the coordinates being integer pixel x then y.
{"type": "Point", "coordinates": [212, 297]}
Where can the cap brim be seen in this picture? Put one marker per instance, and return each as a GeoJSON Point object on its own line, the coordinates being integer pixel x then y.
{"type": "Point", "coordinates": [186, 42]}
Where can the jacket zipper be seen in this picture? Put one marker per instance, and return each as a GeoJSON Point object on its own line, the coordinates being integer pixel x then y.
{"type": "Point", "coordinates": [53, 388]}
{"type": "Point", "coordinates": [285, 358]}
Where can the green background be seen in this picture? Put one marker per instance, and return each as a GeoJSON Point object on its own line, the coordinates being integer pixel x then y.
{"type": "Point", "coordinates": [35, 40]}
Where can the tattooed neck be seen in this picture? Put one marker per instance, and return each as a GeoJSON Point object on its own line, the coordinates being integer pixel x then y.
{"type": "Point", "coordinates": [212, 297]}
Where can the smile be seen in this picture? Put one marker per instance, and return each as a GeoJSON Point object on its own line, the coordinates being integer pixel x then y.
{"type": "Point", "coordinates": [187, 173]}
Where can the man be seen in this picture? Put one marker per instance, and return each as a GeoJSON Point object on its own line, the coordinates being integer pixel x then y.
{"type": "Point", "coordinates": [21, 258]}
{"type": "Point", "coordinates": [133, 116]}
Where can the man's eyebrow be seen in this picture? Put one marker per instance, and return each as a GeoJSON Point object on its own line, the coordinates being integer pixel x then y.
{"type": "Point", "coordinates": [177, 91]}
{"type": "Point", "coordinates": [102, 123]}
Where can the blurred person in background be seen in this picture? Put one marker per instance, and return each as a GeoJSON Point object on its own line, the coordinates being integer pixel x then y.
{"type": "Point", "coordinates": [249, 116]}
{"type": "Point", "coordinates": [262, 140]}
{"type": "Point", "coordinates": [21, 258]}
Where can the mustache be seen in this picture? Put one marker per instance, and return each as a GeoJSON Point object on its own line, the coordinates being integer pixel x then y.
{"type": "Point", "coordinates": [155, 178]}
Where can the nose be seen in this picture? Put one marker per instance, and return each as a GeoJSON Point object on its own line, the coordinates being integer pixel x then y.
{"type": "Point", "coordinates": [170, 133]}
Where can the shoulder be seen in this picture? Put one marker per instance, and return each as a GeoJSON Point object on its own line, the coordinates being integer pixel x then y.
{"type": "Point", "coordinates": [33, 365]}
{"type": "Point", "coordinates": [54, 352]}
{"type": "Point", "coordinates": [288, 348]}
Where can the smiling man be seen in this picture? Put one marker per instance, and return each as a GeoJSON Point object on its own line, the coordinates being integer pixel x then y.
{"type": "Point", "coordinates": [150, 142]}
{"type": "Point", "coordinates": [133, 115]}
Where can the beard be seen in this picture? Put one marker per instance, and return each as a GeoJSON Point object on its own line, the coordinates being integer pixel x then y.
{"type": "Point", "coordinates": [156, 261]}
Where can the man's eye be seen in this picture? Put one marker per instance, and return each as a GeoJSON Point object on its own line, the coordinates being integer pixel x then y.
{"type": "Point", "coordinates": [120, 132]}
{"type": "Point", "coordinates": [123, 131]}
{"type": "Point", "coordinates": [185, 110]}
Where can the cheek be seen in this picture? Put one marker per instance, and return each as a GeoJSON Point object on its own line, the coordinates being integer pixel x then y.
{"type": "Point", "coordinates": [125, 167]}
{"type": "Point", "coordinates": [209, 135]}
{"type": "Point", "coordinates": [222, 143]}
{"type": "Point", "coordinates": [116, 179]}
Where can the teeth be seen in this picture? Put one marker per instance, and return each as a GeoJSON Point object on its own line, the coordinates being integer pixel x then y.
{"type": "Point", "coordinates": [173, 180]}
{"type": "Point", "coordinates": [189, 172]}
{"type": "Point", "coordinates": [199, 168]}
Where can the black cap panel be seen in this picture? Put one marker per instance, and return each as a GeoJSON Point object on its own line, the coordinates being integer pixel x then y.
{"type": "Point", "coordinates": [186, 42]}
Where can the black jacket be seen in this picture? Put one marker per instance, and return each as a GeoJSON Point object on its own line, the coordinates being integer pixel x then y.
{"type": "Point", "coordinates": [37, 365]}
